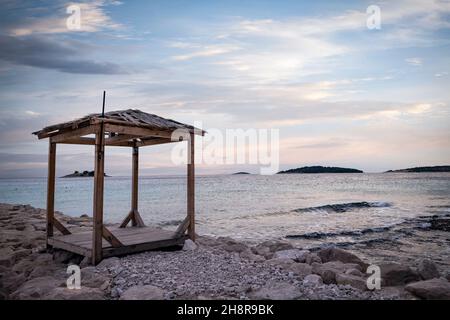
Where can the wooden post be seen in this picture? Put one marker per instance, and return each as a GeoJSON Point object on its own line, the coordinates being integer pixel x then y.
{"type": "Point", "coordinates": [51, 189]}
{"type": "Point", "coordinates": [191, 188]}
{"type": "Point", "coordinates": [134, 185]}
{"type": "Point", "coordinates": [98, 196]}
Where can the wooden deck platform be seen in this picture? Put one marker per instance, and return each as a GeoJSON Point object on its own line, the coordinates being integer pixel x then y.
{"type": "Point", "coordinates": [134, 240]}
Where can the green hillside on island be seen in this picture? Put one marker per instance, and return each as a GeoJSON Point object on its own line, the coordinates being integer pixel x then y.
{"type": "Point", "coordinates": [78, 174]}
{"type": "Point", "coordinates": [424, 169]}
{"type": "Point", "coordinates": [320, 169]}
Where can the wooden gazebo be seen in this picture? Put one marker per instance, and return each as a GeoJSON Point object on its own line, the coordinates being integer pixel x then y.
{"type": "Point", "coordinates": [125, 128]}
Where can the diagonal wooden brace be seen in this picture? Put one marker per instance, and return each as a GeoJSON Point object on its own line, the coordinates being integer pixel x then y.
{"type": "Point", "coordinates": [108, 236]}
{"type": "Point", "coordinates": [182, 228]}
{"type": "Point", "coordinates": [135, 218]}
{"type": "Point", "coordinates": [60, 227]}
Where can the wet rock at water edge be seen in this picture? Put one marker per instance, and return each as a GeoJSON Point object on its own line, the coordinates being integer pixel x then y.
{"type": "Point", "coordinates": [294, 254]}
{"type": "Point", "coordinates": [336, 254]}
{"type": "Point", "coordinates": [433, 289]}
{"type": "Point", "coordinates": [393, 274]}
{"type": "Point", "coordinates": [427, 269]}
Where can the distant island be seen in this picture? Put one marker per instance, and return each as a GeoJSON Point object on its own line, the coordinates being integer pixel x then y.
{"type": "Point", "coordinates": [320, 169]}
{"type": "Point", "coordinates": [241, 172]}
{"type": "Point", "coordinates": [424, 169]}
{"type": "Point", "coordinates": [77, 174]}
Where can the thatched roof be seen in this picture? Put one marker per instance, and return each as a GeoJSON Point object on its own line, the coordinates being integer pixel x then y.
{"type": "Point", "coordinates": [130, 117]}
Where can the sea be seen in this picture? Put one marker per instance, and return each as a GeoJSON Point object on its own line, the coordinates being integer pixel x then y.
{"type": "Point", "coordinates": [380, 216]}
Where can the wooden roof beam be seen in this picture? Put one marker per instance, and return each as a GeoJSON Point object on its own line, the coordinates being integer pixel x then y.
{"type": "Point", "coordinates": [118, 139]}
{"type": "Point", "coordinates": [138, 132]}
{"type": "Point", "coordinates": [72, 134]}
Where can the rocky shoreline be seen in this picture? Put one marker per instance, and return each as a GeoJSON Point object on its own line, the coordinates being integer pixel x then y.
{"type": "Point", "coordinates": [211, 268]}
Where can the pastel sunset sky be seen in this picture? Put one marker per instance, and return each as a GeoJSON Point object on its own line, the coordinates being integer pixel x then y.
{"type": "Point", "coordinates": [340, 93]}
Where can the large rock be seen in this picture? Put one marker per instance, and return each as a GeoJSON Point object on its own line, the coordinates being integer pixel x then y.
{"type": "Point", "coordinates": [189, 245]}
{"type": "Point", "coordinates": [394, 274]}
{"type": "Point", "coordinates": [36, 288]}
{"type": "Point", "coordinates": [110, 263]}
{"type": "Point", "coordinates": [300, 269]}
{"type": "Point", "coordinates": [7, 258]}
{"type": "Point", "coordinates": [336, 254]}
{"type": "Point", "coordinates": [231, 245]}
{"type": "Point", "coordinates": [329, 270]}
{"type": "Point", "coordinates": [147, 292]}
{"type": "Point", "coordinates": [427, 269]}
{"type": "Point", "coordinates": [276, 291]}
{"type": "Point", "coordinates": [92, 279]}
{"type": "Point", "coordinates": [354, 281]}
{"type": "Point", "coordinates": [294, 254]}
{"type": "Point", "coordinates": [85, 293]}
{"type": "Point", "coordinates": [312, 280]}
{"type": "Point", "coordinates": [11, 280]}
{"type": "Point", "coordinates": [283, 263]}
{"type": "Point", "coordinates": [250, 256]}
{"type": "Point", "coordinates": [268, 248]}
{"type": "Point", "coordinates": [313, 257]}
{"type": "Point", "coordinates": [434, 289]}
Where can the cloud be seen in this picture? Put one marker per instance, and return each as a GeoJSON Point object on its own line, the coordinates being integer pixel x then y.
{"type": "Point", "coordinates": [207, 51]}
{"type": "Point", "coordinates": [32, 113]}
{"type": "Point", "coordinates": [416, 62]}
{"type": "Point", "coordinates": [93, 18]}
{"type": "Point", "coordinates": [43, 52]}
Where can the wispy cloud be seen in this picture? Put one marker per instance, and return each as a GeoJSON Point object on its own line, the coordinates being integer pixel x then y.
{"type": "Point", "coordinates": [417, 62]}
{"type": "Point", "coordinates": [207, 51]}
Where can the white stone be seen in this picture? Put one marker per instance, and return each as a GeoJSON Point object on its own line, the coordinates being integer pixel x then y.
{"type": "Point", "coordinates": [189, 245]}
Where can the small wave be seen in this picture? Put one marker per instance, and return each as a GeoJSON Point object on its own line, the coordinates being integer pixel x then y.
{"type": "Point", "coordinates": [170, 223]}
{"type": "Point", "coordinates": [344, 207]}
{"type": "Point", "coordinates": [320, 235]}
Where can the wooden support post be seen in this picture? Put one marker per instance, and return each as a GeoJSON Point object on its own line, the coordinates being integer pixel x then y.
{"type": "Point", "coordinates": [191, 188]}
{"type": "Point", "coordinates": [133, 215]}
{"type": "Point", "coordinates": [98, 196]}
{"type": "Point", "coordinates": [51, 189]}
{"type": "Point", "coordinates": [134, 185]}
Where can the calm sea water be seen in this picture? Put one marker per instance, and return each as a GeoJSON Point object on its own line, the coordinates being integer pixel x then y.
{"type": "Point", "coordinates": [256, 208]}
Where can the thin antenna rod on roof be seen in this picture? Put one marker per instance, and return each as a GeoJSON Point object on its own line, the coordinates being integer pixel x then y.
{"type": "Point", "coordinates": [103, 109]}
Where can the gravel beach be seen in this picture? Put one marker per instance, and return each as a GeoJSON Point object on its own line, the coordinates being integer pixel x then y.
{"type": "Point", "coordinates": [211, 268]}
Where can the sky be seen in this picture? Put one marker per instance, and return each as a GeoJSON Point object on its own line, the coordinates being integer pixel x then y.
{"type": "Point", "coordinates": [340, 93]}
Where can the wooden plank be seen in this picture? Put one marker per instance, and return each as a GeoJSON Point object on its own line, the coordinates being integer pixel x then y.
{"type": "Point", "coordinates": [61, 137]}
{"type": "Point", "coordinates": [60, 227]}
{"type": "Point", "coordinates": [119, 139]}
{"type": "Point", "coordinates": [98, 196]}
{"type": "Point", "coordinates": [191, 187]}
{"type": "Point", "coordinates": [109, 252]}
{"type": "Point", "coordinates": [136, 131]}
{"type": "Point", "coordinates": [60, 244]}
{"type": "Point", "coordinates": [51, 189]}
{"type": "Point", "coordinates": [80, 140]}
{"type": "Point", "coordinates": [111, 238]}
{"type": "Point", "coordinates": [153, 142]}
